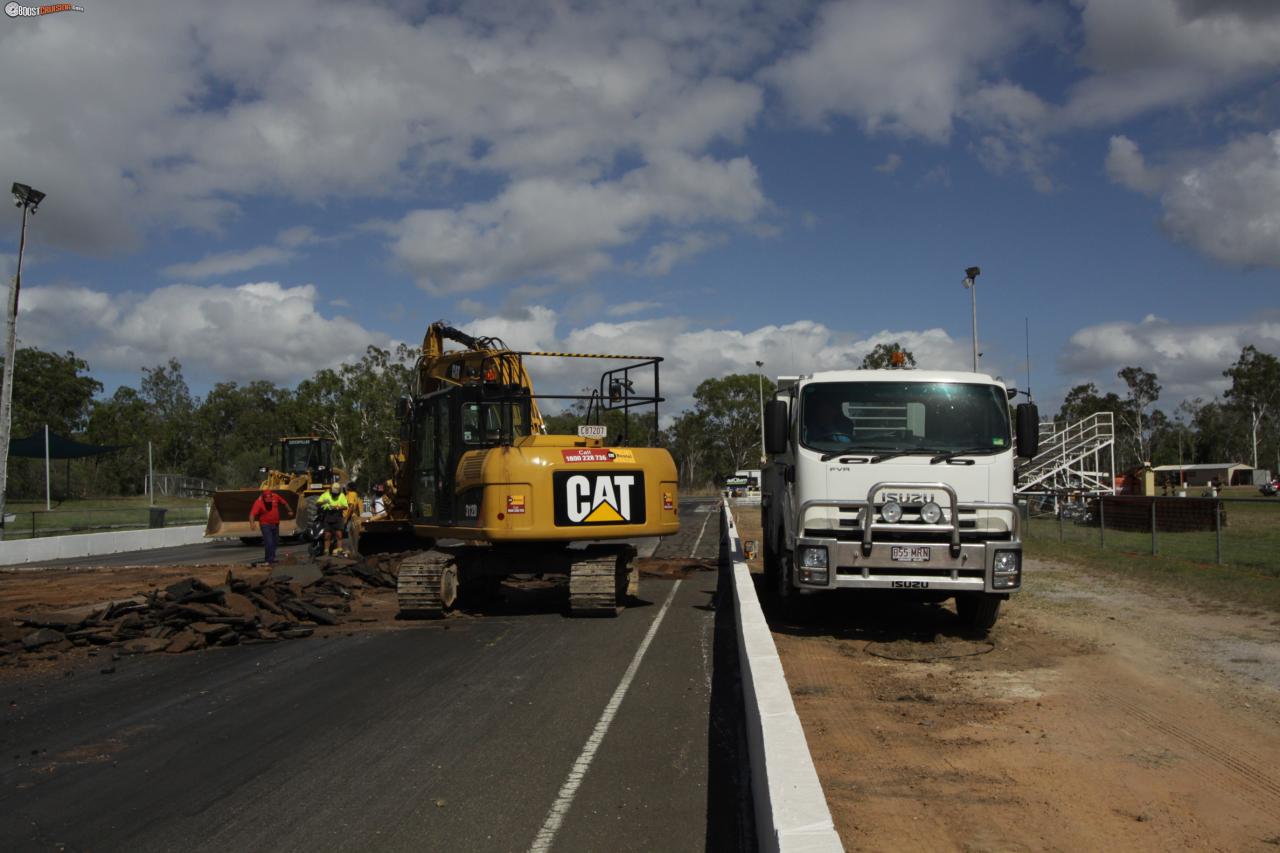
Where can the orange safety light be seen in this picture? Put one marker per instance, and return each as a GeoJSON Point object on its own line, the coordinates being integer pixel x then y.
{"type": "Point", "coordinates": [898, 358]}
{"type": "Point", "coordinates": [490, 375]}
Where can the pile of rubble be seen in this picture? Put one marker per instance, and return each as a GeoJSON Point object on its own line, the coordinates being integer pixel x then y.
{"type": "Point", "coordinates": [191, 614]}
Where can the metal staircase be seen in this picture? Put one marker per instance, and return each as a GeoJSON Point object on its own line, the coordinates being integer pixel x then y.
{"type": "Point", "coordinates": [1078, 457]}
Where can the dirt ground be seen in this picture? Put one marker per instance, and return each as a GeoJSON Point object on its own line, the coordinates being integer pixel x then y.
{"type": "Point", "coordinates": [1097, 716]}
{"type": "Point", "coordinates": [24, 592]}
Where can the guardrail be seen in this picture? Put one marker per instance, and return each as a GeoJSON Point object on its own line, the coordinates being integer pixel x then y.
{"type": "Point", "coordinates": [790, 807]}
{"type": "Point", "coordinates": [72, 520]}
{"type": "Point", "coordinates": [77, 546]}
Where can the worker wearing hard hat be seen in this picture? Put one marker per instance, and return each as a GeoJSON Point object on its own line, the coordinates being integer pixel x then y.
{"type": "Point", "coordinates": [333, 510]}
{"type": "Point", "coordinates": [354, 505]}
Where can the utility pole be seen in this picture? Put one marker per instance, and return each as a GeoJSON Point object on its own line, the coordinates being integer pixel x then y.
{"type": "Point", "coordinates": [764, 458]}
{"type": "Point", "coordinates": [971, 285]}
{"type": "Point", "coordinates": [28, 199]}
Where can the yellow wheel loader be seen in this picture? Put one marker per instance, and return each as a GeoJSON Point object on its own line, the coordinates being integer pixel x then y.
{"type": "Point", "coordinates": [477, 468]}
{"type": "Point", "coordinates": [306, 470]}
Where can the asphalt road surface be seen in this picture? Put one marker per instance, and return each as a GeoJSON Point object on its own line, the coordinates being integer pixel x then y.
{"type": "Point", "coordinates": [519, 731]}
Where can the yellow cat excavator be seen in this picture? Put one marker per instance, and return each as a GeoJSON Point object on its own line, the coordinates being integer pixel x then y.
{"type": "Point", "coordinates": [476, 466]}
{"type": "Point", "coordinates": [305, 471]}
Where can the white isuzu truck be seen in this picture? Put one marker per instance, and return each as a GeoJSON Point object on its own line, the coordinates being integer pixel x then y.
{"type": "Point", "coordinates": [895, 479]}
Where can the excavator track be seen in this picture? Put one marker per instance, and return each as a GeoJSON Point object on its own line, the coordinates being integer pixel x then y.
{"type": "Point", "coordinates": [601, 580]}
{"type": "Point", "coordinates": [427, 586]}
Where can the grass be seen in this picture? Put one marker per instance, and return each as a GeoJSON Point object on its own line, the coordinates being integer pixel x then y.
{"type": "Point", "coordinates": [95, 514]}
{"type": "Point", "coordinates": [1250, 573]}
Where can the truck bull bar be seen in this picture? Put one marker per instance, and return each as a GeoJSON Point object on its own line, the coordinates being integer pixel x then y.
{"type": "Point", "coordinates": [869, 526]}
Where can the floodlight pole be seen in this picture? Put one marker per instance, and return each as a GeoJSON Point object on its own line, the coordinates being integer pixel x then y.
{"type": "Point", "coordinates": [764, 459]}
{"type": "Point", "coordinates": [28, 199]}
{"type": "Point", "coordinates": [971, 285]}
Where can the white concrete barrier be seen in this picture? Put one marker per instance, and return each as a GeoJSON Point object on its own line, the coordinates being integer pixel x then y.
{"type": "Point", "coordinates": [19, 551]}
{"type": "Point", "coordinates": [790, 806]}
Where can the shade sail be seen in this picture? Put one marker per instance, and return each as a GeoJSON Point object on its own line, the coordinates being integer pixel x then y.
{"type": "Point", "coordinates": [32, 447]}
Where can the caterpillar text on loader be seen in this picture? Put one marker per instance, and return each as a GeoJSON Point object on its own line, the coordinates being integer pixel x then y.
{"type": "Point", "coordinates": [305, 471]}
{"type": "Point", "coordinates": [477, 466]}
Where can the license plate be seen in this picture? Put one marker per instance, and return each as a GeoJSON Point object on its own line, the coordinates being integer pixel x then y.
{"type": "Point", "coordinates": [905, 554]}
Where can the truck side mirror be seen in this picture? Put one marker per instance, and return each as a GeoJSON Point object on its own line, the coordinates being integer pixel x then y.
{"type": "Point", "coordinates": [402, 407]}
{"type": "Point", "coordinates": [1028, 433]}
{"type": "Point", "coordinates": [775, 427]}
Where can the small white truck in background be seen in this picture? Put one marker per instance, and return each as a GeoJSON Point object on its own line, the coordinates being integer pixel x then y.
{"type": "Point", "coordinates": [895, 479]}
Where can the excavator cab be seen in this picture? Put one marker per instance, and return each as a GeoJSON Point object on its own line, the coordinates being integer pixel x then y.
{"type": "Point", "coordinates": [451, 422]}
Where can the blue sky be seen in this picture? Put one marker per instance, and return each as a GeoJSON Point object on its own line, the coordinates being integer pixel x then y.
{"type": "Point", "coordinates": [261, 190]}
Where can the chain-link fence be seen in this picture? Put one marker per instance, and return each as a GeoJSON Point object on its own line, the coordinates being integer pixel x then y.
{"type": "Point", "coordinates": [1234, 531]}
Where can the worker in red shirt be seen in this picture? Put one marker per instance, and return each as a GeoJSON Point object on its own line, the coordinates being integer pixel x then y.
{"type": "Point", "coordinates": [266, 514]}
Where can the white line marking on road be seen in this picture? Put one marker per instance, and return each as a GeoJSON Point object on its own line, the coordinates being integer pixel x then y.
{"type": "Point", "coordinates": [698, 541]}
{"type": "Point", "coordinates": [569, 789]}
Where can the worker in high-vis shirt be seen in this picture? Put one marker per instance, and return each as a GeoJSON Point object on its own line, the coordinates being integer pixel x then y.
{"type": "Point", "coordinates": [333, 511]}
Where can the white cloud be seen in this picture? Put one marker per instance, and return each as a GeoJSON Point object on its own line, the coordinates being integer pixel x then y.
{"type": "Point", "coordinates": [693, 352]}
{"type": "Point", "coordinates": [626, 309]}
{"type": "Point", "coordinates": [665, 255]}
{"type": "Point", "coordinates": [299, 235]}
{"type": "Point", "coordinates": [565, 229]}
{"type": "Point", "coordinates": [1126, 166]}
{"type": "Point", "coordinates": [262, 330]}
{"type": "Point", "coordinates": [1148, 54]}
{"type": "Point", "coordinates": [182, 110]}
{"type": "Point", "coordinates": [890, 164]}
{"type": "Point", "coordinates": [1188, 357]}
{"type": "Point", "coordinates": [230, 263]}
{"type": "Point", "coordinates": [903, 66]}
{"type": "Point", "coordinates": [1225, 203]}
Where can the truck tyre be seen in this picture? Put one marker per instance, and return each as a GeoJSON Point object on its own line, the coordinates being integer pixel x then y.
{"type": "Point", "coordinates": [978, 611]}
{"type": "Point", "coordinates": [770, 558]}
{"type": "Point", "coordinates": [784, 593]}
{"type": "Point", "coordinates": [306, 516]}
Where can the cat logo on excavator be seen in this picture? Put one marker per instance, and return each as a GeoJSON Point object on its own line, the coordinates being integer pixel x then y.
{"type": "Point", "coordinates": [590, 498]}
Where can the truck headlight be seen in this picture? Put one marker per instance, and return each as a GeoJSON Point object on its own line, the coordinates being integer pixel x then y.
{"type": "Point", "coordinates": [931, 513]}
{"type": "Point", "coordinates": [813, 557]}
{"type": "Point", "coordinates": [813, 565]}
{"type": "Point", "coordinates": [1006, 569]}
{"type": "Point", "coordinates": [891, 512]}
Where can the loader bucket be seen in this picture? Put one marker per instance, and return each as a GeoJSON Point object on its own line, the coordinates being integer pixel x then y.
{"type": "Point", "coordinates": [229, 513]}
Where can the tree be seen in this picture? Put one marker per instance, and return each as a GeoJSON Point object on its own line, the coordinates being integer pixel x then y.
{"type": "Point", "coordinates": [1215, 433]}
{"type": "Point", "coordinates": [883, 354]}
{"type": "Point", "coordinates": [355, 406]}
{"type": "Point", "coordinates": [1143, 391]}
{"type": "Point", "coordinates": [169, 413]}
{"type": "Point", "coordinates": [1255, 389]}
{"type": "Point", "coordinates": [1083, 401]}
{"type": "Point", "coordinates": [692, 447]}
{"type": "Point", "coordinates": [239, 428]}
{"type": "Point", "coordinates": [121, 419]}
{"type": "Point", "coordinates": [48, 389]}
{"type": "Point", "coordinates": [731, 409]}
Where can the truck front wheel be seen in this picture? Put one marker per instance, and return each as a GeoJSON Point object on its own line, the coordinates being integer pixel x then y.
{"type": "Point", "coordinates": [771, 558]}
{"type": "Point", "coordinates": [785, 592]}
{"type": "Point", "coordinates": [978, 611]}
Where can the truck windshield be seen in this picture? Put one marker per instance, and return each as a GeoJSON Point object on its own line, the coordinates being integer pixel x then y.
{"type": "Point", "coordinates": [904, 417]}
